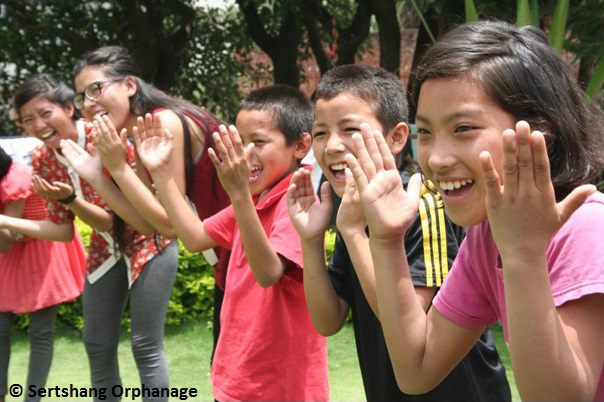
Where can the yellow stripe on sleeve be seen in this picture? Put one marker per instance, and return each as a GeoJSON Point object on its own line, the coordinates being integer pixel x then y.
{"type": "Point", "coordinates": [426, 242]}
{"type": "Point", "coordinates": [444, 258]}
{"type": "Point", "coordinates": [434, 235]}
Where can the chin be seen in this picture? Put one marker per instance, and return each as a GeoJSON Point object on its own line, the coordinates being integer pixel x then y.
{"type": "Point", "coordinates": [463, 219]}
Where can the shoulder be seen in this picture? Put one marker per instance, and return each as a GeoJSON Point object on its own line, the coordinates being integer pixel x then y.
{"type": "Point", "coordinates": [16, 184]}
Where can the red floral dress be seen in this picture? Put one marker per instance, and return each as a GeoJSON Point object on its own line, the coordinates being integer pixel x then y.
{"type": "Point", "coordinates": [102, 254]}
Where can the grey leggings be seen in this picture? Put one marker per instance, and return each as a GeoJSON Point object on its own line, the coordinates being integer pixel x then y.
{"type": "Point", "coordinates": [41, 340]}
{"type": "Point", "coordinates": [104, 303]}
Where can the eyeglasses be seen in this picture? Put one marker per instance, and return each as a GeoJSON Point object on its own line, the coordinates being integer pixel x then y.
{"type": "Point", "coordinates": [92, 92]}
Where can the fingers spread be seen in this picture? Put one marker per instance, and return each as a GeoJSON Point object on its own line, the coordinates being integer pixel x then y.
{"type": "Point", "coordinates": [364, 159]}
{"type": "Point", "coordinates": [491, 178]}
{"type": "Point", "coordinates": [510, 162]}
{"type": "Point", "coordinates": [525, 155]}
{"type": "Point", "coordinates": [372, 147]}
{"type": "Point", "coordinates": [357, 172]}
{"type": "Point", "coordinates": [574, 200]}
{"type": "Point", "coordinates": [542, 173]}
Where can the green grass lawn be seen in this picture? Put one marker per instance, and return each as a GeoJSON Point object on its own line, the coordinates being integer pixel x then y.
{"type": "Point", "coordinates": [188, 349]}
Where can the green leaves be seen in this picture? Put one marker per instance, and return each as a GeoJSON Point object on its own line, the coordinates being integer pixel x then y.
{"type": "Point", "coordinates": [558, 27]}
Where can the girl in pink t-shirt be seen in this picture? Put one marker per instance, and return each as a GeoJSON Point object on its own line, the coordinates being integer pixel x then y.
{"type": "Point", "coordinates": [532, 257]}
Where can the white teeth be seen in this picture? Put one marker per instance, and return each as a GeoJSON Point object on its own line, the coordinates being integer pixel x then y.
{"type": "Point", "coordinates": [338, 166]}
{"type": "Point", "coordinates": [100, 114]}
{"type": "Point", "coordinates": [451, 185]}
{"type": "Point", "coordinates": [45, 136]}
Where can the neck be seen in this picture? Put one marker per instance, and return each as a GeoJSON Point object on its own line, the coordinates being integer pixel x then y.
{"type": "Point", "coordinates": [130, 122]}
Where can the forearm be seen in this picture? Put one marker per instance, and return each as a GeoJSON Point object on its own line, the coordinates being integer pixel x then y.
{"type": "Point", "coordinates": [120, 205]}
{"type": "Point", "coordinates": [265, 264]}
{"type": "Point", "coordinates": [6, 240]}
{"type": "Point", "coordinates": [357, 244]}
{"type": "Point", "coordinates": [537, 339]}
{"type": "Point", "coordinates": [404, 322]}
{"type": "Point", "coordinates": [139, 195]}
{"type": "Point", "coordinates": [93, 215]}
{"type": "Point", "coordinates": [189, 228]}
{"type": "Point", "coordinates": [44, 230]}
{"type": "Point", "coordinates": [327, 310]}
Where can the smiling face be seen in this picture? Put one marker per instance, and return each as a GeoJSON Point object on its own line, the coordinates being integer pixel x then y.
{"type": "Point", "coordinates": [271, 158]}
{"type": "Point", "coordinates": [456, 120]}
{"type": "Point", "coordinates": [336, 120]}
{"type": "Point", "coordinates": [114, 99]}
{"type": "Point", "coordinates": [48, 121]}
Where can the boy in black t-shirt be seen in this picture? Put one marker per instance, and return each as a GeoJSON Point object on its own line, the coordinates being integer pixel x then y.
{"type": "Point", "coordinates": [357, 98]}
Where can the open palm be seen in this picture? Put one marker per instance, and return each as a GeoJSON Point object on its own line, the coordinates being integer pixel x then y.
{"type": "Point", "coordinates": [154, 144]}
{"type": "Point", "coordinates": [89, 167]}
{"type": "Point", "coordinates": [309, 215]}
{"type": "Point", "coordinates": [388, 208]}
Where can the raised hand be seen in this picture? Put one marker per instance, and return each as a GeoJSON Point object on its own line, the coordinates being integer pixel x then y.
{"type": "Point", "coordinates": [111, 147]}
{"type": "Point", "coordinates": [56, 190]}
{"type": "Point", "coordinates": [154, 144]}
{"type": "Point", "coordinates": [89, 167]}
{"type": "Point", "coordinates": [232, 166]}
{"type": "Point", "coordinates": [388, 208]}
{"type": "Point", "coordinates": [522, 211]}
{"type": "Point", "coordinates": [309, 215]}
{"type": "Point", "coordinates": [350, 217]}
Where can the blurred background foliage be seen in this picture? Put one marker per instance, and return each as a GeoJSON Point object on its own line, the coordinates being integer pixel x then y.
{"type": "Point", "coordinates": [213, 52]}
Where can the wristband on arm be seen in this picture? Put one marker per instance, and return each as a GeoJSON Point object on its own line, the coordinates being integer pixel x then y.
{"type": "Point", "coordinates": [69, 199]}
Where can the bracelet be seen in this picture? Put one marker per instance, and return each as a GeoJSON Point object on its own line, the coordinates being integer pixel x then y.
{"type": "Point", "coordinates": [69, 199]}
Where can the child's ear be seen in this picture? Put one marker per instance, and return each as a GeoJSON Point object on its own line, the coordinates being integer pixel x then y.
{"type": "Point", "coordinates": [70, 109]}
{"type": "Point", "coordinates": [397, 137]}
{"type": "Point", "coordinates": [131, 85]}
{"type": "Point", "coordinates": [303, 145]}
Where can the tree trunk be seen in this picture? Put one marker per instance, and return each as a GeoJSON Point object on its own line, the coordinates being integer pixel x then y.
{"type": "Point", "coordinates": [389, 34]}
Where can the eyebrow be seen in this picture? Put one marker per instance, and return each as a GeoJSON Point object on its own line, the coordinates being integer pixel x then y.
{"type": "Point", "coordinates": [346, 120]}
{"type": "Point", "coordinates": [468, 112]}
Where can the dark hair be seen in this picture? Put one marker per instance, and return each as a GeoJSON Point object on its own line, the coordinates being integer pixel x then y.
{"type": "Point", "coordinates": [5, 163]}
{"type": "Point", "coordinates": [381, 89]}
{"type": "Point", "coordinates": [521, 72]}
{"type": "Point", "coordinates": [116, 62]}
{"type": "Point", "coordinates": [46, 86]}
{"type": "Point", "coordinates": [293, 111]}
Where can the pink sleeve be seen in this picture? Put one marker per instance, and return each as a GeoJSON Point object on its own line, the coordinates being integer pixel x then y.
{"type": "Point", "coordinates": [285, 240]}
{"type": "Point", "coordinates": [16, 185]}
{"type": "Point", "coordinates": [221, 227]}
{"type": "Point", "coordinates": [462, 298]}
{"type": "Point", "coordinates": [576, 256]}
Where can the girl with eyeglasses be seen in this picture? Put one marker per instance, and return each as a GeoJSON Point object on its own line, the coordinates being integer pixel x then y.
{"type": "Point", "coordinates": [41, 266]}
{"type": "Point", "coordinates": [125, 259]}
{"type": "Point", "coordinates": [117, 101]}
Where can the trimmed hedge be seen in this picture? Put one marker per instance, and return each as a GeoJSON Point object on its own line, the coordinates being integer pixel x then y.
{"type": "Point", "coordinates": [192, 297]}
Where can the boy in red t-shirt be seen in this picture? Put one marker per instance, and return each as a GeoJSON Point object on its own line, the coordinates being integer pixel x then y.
{"type": "Point", "coordinates": [268, 348]}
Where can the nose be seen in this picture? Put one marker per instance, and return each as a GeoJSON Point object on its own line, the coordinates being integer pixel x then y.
{"type": "Point", "coordinates": [86, 106]}
{"type": "Point", "coordinates": [334, 143]}
{"type": "Point", "coordinates": [440, 155]}
{"type": "Point", "coordinates": [39, 124]}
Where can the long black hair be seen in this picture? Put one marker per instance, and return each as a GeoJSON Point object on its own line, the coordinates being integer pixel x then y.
{"type": "Point", "coordinates": [520, 71]}
{"type": "Point", "coordinates": [116, 62]}
{"type": "Point", "coordinates": [5, 163]}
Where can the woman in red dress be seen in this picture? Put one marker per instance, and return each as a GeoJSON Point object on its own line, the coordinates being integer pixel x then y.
{"type": "Point", "coordinates": [36, 274]}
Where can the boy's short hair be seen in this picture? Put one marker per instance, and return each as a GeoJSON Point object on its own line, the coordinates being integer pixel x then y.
{"type": "Point", "coordinates": [293, 111]}
{"type": "Point", "coordinates": [381, 89]}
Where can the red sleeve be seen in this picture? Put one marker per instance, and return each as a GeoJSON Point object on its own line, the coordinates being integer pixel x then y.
{"type": "Point", "coordinates": [16, 185]}
{"type": "Point", "coordinates": [221, 227]}
{"type": "Point", "coordinates": [57, 213]}
{"type": "Point", "coordinates": [285, 240]}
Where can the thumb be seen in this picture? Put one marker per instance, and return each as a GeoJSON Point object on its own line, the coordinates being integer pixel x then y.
{"type": "Point", "coordinates": [415, 185]}
{"type": "Point", "coordinates": [325, 193]}
{"type": "Point", "coordinates": [63, 186]}
{"type": "Point", "coordinates": [574, 200]}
